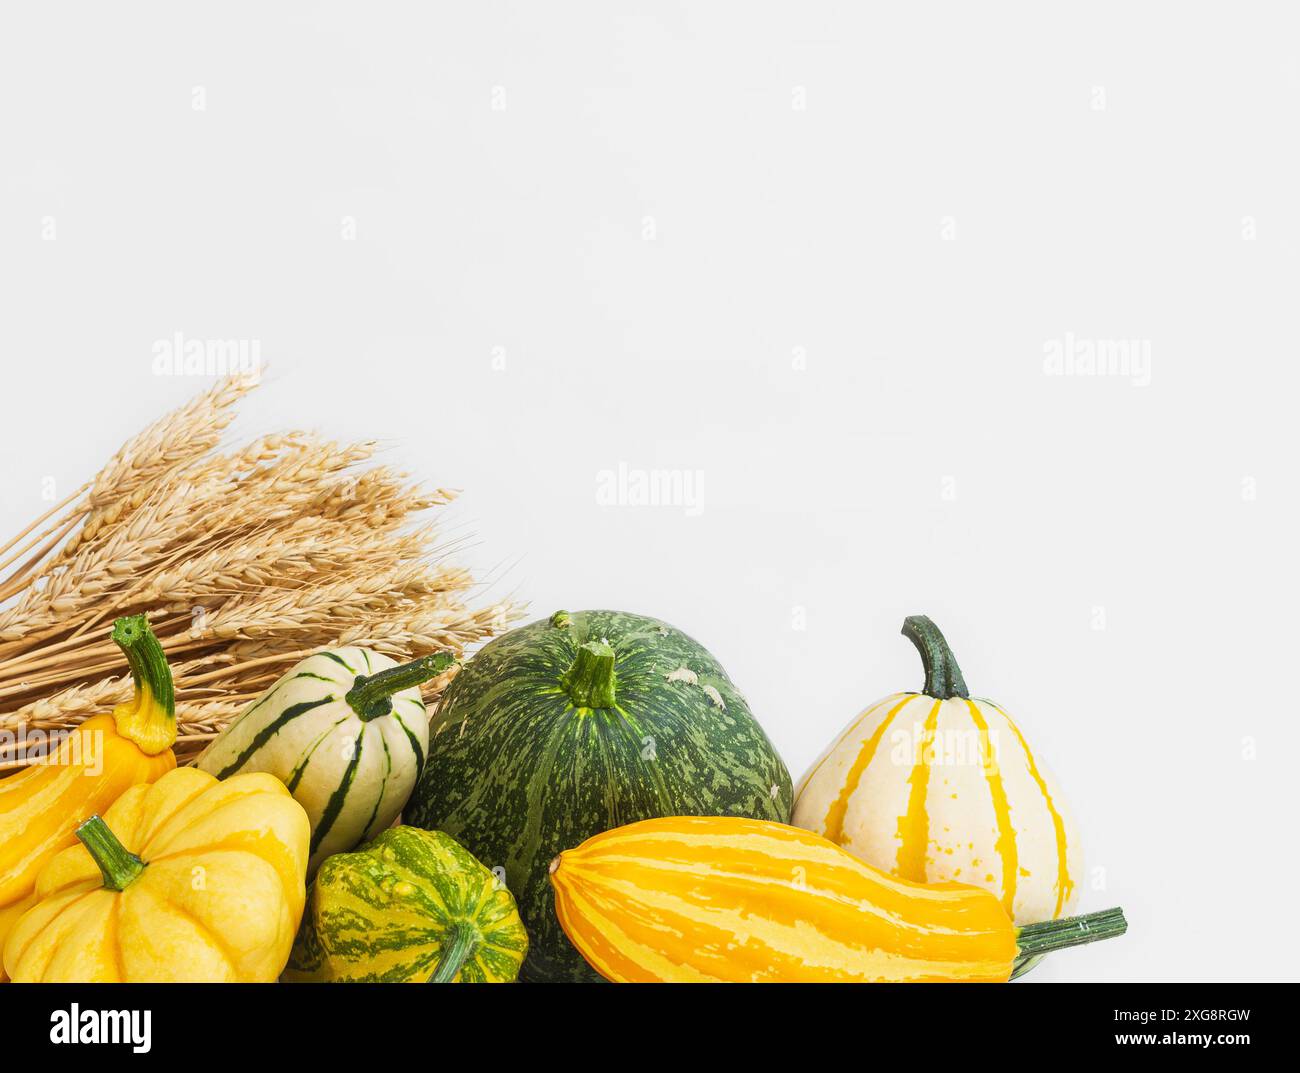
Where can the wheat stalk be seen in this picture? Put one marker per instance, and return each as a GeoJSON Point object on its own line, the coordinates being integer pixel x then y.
{"type": "Point", "coordinates": [245, 560]}
{"type": "Point", "coordinates": [176, 439]}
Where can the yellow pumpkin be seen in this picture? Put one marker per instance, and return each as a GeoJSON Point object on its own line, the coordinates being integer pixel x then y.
{"type": "Point", "coordinates": [707, 899]}
{"type": "Point", "coordinates": [189, 879]}
{"type": "Point", "coordinates": [938, 786]}
{"type": "Point", "coordinates": [41, 806]}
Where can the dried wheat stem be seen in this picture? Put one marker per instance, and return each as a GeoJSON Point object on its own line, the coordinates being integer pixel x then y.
{"type": "Point", "coordinates": [19, 579]}
{"type": "Point", "coordinates": [38, 521]}
{"type": "Point", "coordinates": [246, 561]}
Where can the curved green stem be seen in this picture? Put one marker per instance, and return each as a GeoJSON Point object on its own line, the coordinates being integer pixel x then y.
{"type": "Point", "coordinates": [118, 865]}
{"type": "Point", "coordinates": [372, 695]}
{"type": "Point", "coordinates": [1035, 939]}
{"type": "Point", "coordinates": [149, 719]}
{"type": "Point", "coordinates": [461, 942]}
{"type": "Point", "coordinates": [943, 678]}
{"type": "Point", "coordinates": [590, 681]}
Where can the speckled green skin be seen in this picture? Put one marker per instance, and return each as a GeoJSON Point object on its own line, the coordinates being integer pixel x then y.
{"type": "Point", "coordinates": [386, 914]}
{"type": "Point", "coordinates": [517, 774]}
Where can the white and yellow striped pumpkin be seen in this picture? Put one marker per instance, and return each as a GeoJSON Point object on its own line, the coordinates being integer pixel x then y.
{"type": "Point", "coordinates": [938, 786]}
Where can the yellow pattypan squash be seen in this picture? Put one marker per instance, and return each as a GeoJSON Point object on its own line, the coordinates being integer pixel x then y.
{"type": "Point", "coordinates": [187, 879]}
{"type": "Point", "coordinates": [41, 805]}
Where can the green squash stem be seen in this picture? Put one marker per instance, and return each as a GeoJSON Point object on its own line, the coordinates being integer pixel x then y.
{"type": "Point", "coordinates": [590, 681]}
{"type": "Point", "coordinates": [462, 941]}
{"type": "Point", "coordinates": [119, 867]}
{"type": "Point", "coordinates": [371, 696]}
{"type": "Point", "coordinates": [943, 678]}
{"type": "Point", "coordinates": [1049, 935]}
{"type": "Point", "coordinates": [149, 719]}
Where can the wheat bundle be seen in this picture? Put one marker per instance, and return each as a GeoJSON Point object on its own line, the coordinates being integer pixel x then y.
{"type": "Point", "coordinates": [246, 560]}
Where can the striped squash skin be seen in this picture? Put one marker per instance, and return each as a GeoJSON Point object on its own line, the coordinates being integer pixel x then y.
{"type": "Point", "coordinates": [947, 790]}
{"type": "Point", "coordinates": [381, 914]}
{"type": "Point", "coordinates": [708, 899]}
{"type": "Point", "coordinates": [351, 776]}
{"type": "Point", "coordinates": [517, 773]}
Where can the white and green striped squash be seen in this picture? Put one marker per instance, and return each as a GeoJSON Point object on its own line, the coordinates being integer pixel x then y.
{"type": "Point", "coordinates": [346, 731]}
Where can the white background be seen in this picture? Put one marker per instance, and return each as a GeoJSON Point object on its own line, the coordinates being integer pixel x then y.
{"type": "Point", "coordinates": [816, 252]}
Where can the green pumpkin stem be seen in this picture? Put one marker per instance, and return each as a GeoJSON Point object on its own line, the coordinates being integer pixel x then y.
{"type": "Point", "coordinates": [590, 681]}
{"type": "Point", "coordinates": [118, 865]}
{"type": "Point", "coordinates": [461, 941]}
{"type": "Point", "coordinates": [943, 678]}
{"type": "Point", "coordinates": [371, 696]}
{"type": "Point", "coordinates": [1035, 939]}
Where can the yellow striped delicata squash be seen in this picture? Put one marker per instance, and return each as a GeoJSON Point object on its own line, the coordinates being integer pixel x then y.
{"type": "Point", "coordinates": [939, 786]}
{"type": "Point", "coordinates": [704, 899]}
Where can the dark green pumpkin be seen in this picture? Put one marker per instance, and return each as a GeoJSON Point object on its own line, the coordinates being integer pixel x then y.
{"type": "Point", "coordinates": [572, 725]}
